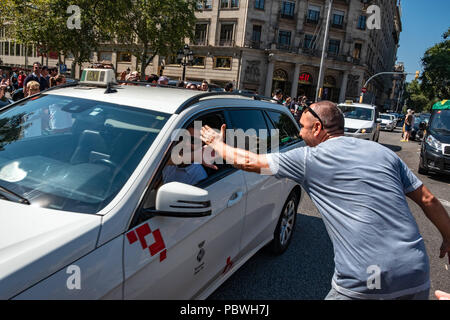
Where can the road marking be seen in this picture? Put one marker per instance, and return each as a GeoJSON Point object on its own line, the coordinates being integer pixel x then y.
{"type": "Point", "coordinates": [445, 203]}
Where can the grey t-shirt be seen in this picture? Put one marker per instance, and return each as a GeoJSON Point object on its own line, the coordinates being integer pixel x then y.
{"type": "Point", "coordinates": [359, 188]}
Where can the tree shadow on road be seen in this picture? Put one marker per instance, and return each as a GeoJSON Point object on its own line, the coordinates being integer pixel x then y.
{"type": "Point", "coordinates": [303, 272]}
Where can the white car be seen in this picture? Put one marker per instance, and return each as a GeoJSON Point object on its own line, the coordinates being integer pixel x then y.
{"type": "Point", "coordinates": [361, 120]}
{"type": "Point", "coordinates": [387, 121]}
{"type": "Point", "coordinates": [84, 210]}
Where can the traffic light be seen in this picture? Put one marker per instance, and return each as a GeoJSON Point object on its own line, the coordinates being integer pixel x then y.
{"type": "Point", "coordinates": [417, 75]}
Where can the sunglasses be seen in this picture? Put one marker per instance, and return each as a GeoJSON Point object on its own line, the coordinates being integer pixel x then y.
{"type": "Point", "coordinates": [313, 113]}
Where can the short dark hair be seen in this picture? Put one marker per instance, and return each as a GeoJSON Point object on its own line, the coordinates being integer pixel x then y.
{"type": "Point", "coordinates": [45, 68]}
{"type": "Point", "coordinates": [331, 116]}
{"type": "Point", "coordinates": [278, 91]}
{"type": "Point", "coordinates": [229, 86]}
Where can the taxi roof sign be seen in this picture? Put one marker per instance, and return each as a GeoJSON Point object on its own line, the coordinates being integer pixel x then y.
{"type": "Point", "coordinates": [348, 101]}
{"type": "Point", "coordinates": [98, 77]}
{"type": "Point", "coordinates": [442, 105]}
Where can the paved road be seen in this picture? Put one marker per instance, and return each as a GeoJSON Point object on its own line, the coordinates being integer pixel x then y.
{"type": "Point", "coordinates": [304, 271]}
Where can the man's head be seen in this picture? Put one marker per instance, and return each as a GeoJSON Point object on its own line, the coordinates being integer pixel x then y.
{"type": "Point", "coordinates": [163, 80]}
{"type": "Point", "coordinates": [37, 68]}
{"type": "Point", "coordinates": [279, 94]}
{"type": "Point", "coordinates": [44, 71]}
{"type": "Point", "coordinates": [53, 72]}
{"type": "Point", "coordinates": [321, 121]}
{"type": "Point", "coordinates": [204, 86]}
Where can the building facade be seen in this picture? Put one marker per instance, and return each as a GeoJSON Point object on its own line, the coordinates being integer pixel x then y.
{"type": "Point", "coordinates": [263, 45]}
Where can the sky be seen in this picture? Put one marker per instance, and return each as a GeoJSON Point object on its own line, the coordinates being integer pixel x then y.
{"type": "Point", "coordinates": [424, 22]}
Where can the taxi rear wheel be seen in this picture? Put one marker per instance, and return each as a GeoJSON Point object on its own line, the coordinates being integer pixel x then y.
{"type": "Point", "coordinates": [286, 225]}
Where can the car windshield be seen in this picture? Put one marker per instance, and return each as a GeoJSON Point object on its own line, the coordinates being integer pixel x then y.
{"type": "Point", "coordinates": [72, 154]}
{"type": "Point", "coordinates": [440, 121]}
{"type": "Point", "coordinates": [353, 112]}
{"type": "Point", "coordinates": [385, 117]}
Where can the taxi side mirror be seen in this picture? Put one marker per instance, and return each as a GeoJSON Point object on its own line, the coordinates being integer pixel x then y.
{"type": "Point", "coordinates": [175, 199]}
{"type": "Point", "coordinates": [378, 121]}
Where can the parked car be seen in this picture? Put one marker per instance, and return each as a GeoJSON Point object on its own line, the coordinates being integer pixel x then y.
{"type": "Point", "coordinates": [435, 149]}
{"type": "Point", "coordinates": [87, 210]}
{"type": "Point", "coordinates": [387, 121]}
{"type": "Point", "coordinates": [361, 120]}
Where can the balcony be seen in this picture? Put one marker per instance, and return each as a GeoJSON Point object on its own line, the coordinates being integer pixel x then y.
{"type": "Point", "coordinates": [286, 16]}
{"type": "Point", "coordinates": [200, 42]}
{"type": "Point", "coordinates": [287, 48]}
{"type": "Point", "coordinates": [254, 44]}
{"type": "Point", "coordinates": [314, 22]}
{"type": "Point", "coordinates": [225, 43]}
{"type": "Point", "coordinates": [312, 52]}
{"type": "Point", "coordinates": [338, 26]}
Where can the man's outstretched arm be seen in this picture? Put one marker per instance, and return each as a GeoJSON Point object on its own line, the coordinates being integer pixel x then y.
{"type": "Point", "coordinates": [239, 158]}
{"type": "Point", "coordinates": [437, 214]}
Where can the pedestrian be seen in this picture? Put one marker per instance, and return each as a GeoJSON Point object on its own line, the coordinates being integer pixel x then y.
{"type": "Point", "coordinates": [379, 252]}
{"type": "Point", "coordinates": [163, 81]}
{"type": "Point", "coordinates": [204, 86]}
{"type": "Point", "coordinates": [229, 87]}
{"type": "Point", "coordinates": [278, 96]}
{"type": "Point", "coordinates": [407, 126]}
{"type": "Point", "coordinates": [153, 78]}
{"type": "Point", "coordinates": [33, 87]}
{"type": "Point", "coordinates": [21, 78]}
{"type": "Point", "coordinates": [36, 76]}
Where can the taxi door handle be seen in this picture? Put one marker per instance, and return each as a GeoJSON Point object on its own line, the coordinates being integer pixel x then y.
{"type": "Point", "coordinates": [235, 198]}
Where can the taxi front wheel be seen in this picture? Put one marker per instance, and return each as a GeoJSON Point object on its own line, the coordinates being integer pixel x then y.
{"type": "Point", "coordinates": [286, 225]}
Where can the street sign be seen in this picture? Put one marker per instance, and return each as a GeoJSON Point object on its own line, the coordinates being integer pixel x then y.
{"type": "Point", "coordinates": [62, 68]}
{"type": "Point", "coordinates": [364, 90]}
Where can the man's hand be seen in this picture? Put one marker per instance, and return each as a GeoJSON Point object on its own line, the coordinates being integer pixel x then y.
{"type": "Point", "coordinates": [441, 295]}
{"type": "Point", "coordinates": [211, 137]}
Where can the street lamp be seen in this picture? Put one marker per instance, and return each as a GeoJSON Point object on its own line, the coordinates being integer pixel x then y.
{"type": "Point", "coordinates": [185, 56]}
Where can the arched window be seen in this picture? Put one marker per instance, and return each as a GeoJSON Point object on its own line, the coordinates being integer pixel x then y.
{"type": "Point", "coordinates": [280, 75]}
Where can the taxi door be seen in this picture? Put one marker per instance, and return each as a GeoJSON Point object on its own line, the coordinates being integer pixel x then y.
{"type": "Point", "coordinates": [177, 258]}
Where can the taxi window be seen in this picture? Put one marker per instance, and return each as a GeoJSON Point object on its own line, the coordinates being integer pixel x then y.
{"type": "Point", "coordinates": [254, 126]}
{"type": "Point", "coordinates": [288, 131]}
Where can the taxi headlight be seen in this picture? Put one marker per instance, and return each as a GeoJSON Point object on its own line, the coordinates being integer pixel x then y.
{"type": "Point", "coordinates": [434, 143]}
{"type": "Point", "coordinates": [366, 130]}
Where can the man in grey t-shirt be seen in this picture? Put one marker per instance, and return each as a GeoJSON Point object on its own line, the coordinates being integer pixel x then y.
{"type": "Point", "coordinates": [359, 188]}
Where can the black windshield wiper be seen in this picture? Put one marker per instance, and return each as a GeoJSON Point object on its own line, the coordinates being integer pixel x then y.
{"type": "Point", "coordinates": [12, 196]}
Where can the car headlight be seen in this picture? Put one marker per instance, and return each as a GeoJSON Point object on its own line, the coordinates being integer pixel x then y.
{"type": "Point", "coordinates": [434, 143]}
{"type": "Point", "coordinates": [366, 130]}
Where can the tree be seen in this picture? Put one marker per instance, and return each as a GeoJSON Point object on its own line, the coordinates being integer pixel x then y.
{"type": "Point", "coordinates": [436, 75]}
{"type": "Point", "coordinates": [151, 27]}
{"type": "Point", "coordinates": [44, 24]}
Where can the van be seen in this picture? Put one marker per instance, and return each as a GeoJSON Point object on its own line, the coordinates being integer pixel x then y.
{"type": "Point", "coordinates": [361, 120]}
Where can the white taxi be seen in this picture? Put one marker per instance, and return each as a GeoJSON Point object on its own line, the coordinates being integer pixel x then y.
{"type": "Point", "coordinates": [87, 210]}
{"type": "Point", "coordinates": [361, 120]}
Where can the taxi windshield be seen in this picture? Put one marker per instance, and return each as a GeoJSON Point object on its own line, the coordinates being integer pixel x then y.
{"type": "Point", "coordinates": [440, 121]}
{"type": "Point", "coordinates": [358, 113]}
{"type": "Point", "coordinates": [72, 154]}
{"type": "Point", "coordinates": [385, 117]}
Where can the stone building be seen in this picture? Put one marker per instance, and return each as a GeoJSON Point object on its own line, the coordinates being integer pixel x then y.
{"type": "Point", "coordinates": [262, 45]}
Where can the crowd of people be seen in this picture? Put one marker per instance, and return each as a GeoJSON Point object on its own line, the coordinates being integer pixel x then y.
{"type": "Point", "coordinates": [20, 83]}
{"type": "Point", "coordinates": [295, 105]}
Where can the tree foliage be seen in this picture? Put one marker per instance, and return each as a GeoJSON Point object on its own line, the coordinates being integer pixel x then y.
{"type": "Point", "coordinates": [151, 27]}
{"type": "Point", "coordinates": [436, 75]}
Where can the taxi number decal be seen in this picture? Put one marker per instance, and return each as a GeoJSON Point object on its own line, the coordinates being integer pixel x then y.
{"type": "Point", "coordinates": [157, 247]}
